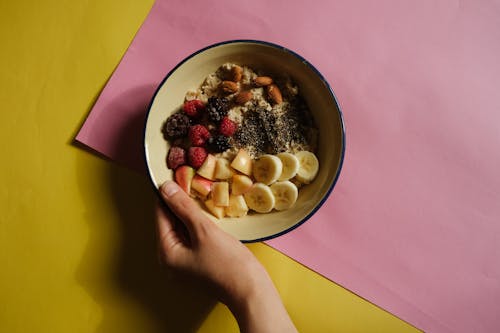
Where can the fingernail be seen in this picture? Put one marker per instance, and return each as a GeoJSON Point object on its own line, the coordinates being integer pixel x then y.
{"type": "Point", "coordinates": [169, 188]}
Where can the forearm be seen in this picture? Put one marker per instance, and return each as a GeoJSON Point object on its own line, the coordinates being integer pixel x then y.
{"type": "Point", "coordinates": [262, 311]}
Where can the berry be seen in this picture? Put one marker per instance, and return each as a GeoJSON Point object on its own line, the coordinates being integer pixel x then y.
{"type": "Point", "coordinates": [219, 143]}
{"type": "Point", "coordinates": [176, 126]}
{"type": "Point", "coordinates": [198, 134]}
{"type": "Point", "coordinates": [227, 127]}
{"type": "Point", "coordinates": [176, 157]}
{"type": "Point", "coordinates": [193, 108]}
{"type": "Point", "coordinates": [217, 108]}
{"type": "Point", "coordinates": [196, 156]}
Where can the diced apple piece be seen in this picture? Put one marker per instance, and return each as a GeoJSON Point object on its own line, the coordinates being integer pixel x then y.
{"type": "Point", "coordinates": [216, 211]}
{"type": "Point", "coordinates": [201, 185]}
{"type": "Point", "coordinates": [222, 169]}
{"type": "Point", "coordinates": [220, 194]}
{"type": "Point", "coordinates": [183, 176]}
{"type": "Point", "coordinates": [207, 169]}
{"type": "Point", "coordinates": [237, 206]}
{"type": "Point", "coordinates": [243, 162]}
{"type": "Point", "coordinates": [240, 184]}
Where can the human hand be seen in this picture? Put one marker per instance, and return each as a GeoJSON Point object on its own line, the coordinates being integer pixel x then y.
{"type": "Point", "coordinates": [212, 255]}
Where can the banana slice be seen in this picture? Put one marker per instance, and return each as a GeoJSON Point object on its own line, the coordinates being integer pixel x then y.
{"type": "Point", "coordinates": [285, 194]}
{"type": "Point", "coordinates": [290, 165]}
{"type": "Point", "coordinates": [267, 169]}
{"type": "Point", "coordinates": [309, 166]}
{"type": "Point", "coordinates": [260, 198]}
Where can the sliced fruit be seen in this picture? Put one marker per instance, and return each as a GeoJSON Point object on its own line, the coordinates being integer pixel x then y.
{"type": "Point", "coordinates": [267, 169]}
{"type": "Point", "coordinates": [207, 169]}
{"type": "Point", "coordinates": [290, 165]}
{"type": "Point", "coordinates": [285, 194]}
{"type": "Point", "coordinates": [201, 185]}
{"type": "Point", "coordinates": [237, 206]}
{"type": "Point", "coordinates": [216, 211]}
{"type": "Point", "coordinates": [220, 194]}
{"type": "Point", "coordinates": [223, 169]}
{"type": "Point", "coordinates": [183, 176]}
{"type": "Point", "coordinates": [240, 184]}
{"type": "Point", "coordinates": [243, 162]}
{"type": "Point", "coordinates": [260, 198]}
{"type": "Point", "coordinates": [309, 166]}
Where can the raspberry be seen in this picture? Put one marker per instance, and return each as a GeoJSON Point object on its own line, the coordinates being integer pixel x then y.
{"type": "Point", "coordinates": [217, 108]}
{"type": "Point", "coordinates": [193, 108]}
{"type": "Point", "coordinates": [227, 127]}
{"type": "Point", "coordinates": [176, 157]}
{"type": "Point", "coordinates": [197, 156]}
{"type": "Point", "coordinates": [176, 126]}
{"type": "Point", "coordinates": [219, 143]}
{"type": "Point", "coordinates": [198, 134]}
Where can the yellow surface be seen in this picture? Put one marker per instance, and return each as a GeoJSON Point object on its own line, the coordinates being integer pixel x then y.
{"type": "Point", "coordinates": [77, 249]}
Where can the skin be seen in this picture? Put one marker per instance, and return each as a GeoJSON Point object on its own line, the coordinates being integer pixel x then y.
{"type": "Point", "coordinates": [190, 243]}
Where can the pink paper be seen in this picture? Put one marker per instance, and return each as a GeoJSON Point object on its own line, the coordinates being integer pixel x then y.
{"type": "Point", "coordinates": [414, 223]}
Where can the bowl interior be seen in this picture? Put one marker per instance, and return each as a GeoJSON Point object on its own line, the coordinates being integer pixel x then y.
{"type": "Point", "coordinates": [273, 59]}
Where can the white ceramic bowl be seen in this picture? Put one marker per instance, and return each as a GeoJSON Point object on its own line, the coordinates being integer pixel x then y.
{"type": "Point", "coordinates": [313, 87]}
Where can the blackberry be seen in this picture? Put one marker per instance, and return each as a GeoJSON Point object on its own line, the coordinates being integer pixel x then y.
{"type": "Point", "coordinates": [176, 126]}
{"type": "Point", "coordinates": [217, 108]}
{"type": "Point", "coordinates": [219, 143]}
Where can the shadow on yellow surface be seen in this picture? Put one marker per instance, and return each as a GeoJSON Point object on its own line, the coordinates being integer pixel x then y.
{"type": "Point", "coordinates": [172, 303]}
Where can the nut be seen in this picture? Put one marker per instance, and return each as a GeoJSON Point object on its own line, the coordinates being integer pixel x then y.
{"type": "Point", "coordinates": [243, 97]}
{"type": "Point", "coordinates": [261, 81]}
{"type": "Point", "coordinates": [229, 87]}
{"type": "Point", "coordinates": [274, 93]}
{"type": "Point", "coordinates": [236, 73]}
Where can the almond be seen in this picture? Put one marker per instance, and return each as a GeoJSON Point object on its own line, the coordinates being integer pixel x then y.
{"type": "Point", "coordinates": [243, 97]}
{"type": "Point", "coordinates": [274, 93]}
{"type": "Point", "coordinates": [229, 87]}
{"type": "Point", "coordinates": [261, 81]}
{"type": "Point", "coordinates": [236, 73]}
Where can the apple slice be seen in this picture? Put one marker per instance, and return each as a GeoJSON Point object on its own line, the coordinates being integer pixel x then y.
{"type": "Point", "coordinates": [222, 169]}
{"type": "Point", "coordinates": [243, 162]}
{"type": "Point", "coordinates": [220, 194]}
{"type": "Point", "coordinates": [183, 176]}
{"type": "Point", "coordinates": [207, 169]}
{"type": "Point", "coordinates": [240, 184]}
{"type": "Point", "coordinates": [216, 211]}
{"type": "Point", "coordinates": [237, 206]}
{"type": "Point", "coordinates": [201, 185]}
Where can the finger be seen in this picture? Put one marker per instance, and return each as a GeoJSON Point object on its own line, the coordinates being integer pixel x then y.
{"type": "Point", "coordinates": [185, 209]}
{"type": "Point", "coordinates": [171, 244]}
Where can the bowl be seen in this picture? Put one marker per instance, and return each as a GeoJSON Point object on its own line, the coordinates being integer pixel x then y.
{"type": "Point", "coordinates": [320, 98]}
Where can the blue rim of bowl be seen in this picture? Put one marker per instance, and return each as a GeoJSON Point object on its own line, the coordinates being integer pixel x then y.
{"type": "Point", "coordinates": [303, 60]}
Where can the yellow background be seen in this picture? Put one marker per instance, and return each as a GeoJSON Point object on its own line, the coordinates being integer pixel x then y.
{"type": "Point", "coordinates": [77, 249]}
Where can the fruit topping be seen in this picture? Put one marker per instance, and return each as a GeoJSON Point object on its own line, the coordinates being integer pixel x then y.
{"type": "Point", "coordinates": [198, 134]}
{"type": "Point", "coordinates": [219, 143]}
{"type": "Point", "coordinates": [207, 169]}
{"type": "Point", "coordinates": [201, 185]}
{"type": "Point", "coordinates": [217, 108]}
{"type": "Point", "coordinates": [220, 194]}
{"type": "Point", "coordinates": [309, 166]}
{"type": "Point", "coordinates": [197, 156]}
{"type": "Point", "coordinates": [285, 194]}
{"type": "Point", "coordinates": [260, 198]}
{"type": "Point", "coordinates": [267, 169]}
{"type": "Point", "coordinates": [194, 108]}
{"type": "Point", "coordinates": [243, 162]}
{"type": "Point", "coordinates": [183, 176]}
{"type": "Point", "coordinates": [176, 126]}
{"type": "Point", "coordinates": [227, 127]}
{"type": "Point", "coordinates": [176, 157]}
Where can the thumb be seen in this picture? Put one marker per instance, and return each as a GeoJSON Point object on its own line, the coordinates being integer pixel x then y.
{"type": "Point", "coordinates": [185, 209]}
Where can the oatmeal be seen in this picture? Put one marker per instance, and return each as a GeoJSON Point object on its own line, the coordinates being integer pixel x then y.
{"type": "Point", "coordinates": [244, 140]}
